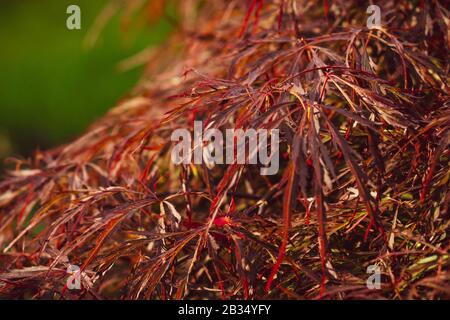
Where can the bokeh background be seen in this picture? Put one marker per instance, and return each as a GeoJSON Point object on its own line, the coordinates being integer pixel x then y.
{"type": "Point", "coordinates": [52, 83]}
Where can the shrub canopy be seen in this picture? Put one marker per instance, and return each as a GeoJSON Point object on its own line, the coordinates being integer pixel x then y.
{"type": "Point", "coordinates": [364, 132]}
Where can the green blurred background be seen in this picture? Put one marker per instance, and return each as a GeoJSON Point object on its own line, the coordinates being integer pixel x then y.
{"type": "Point", "coordinates": [51, 86]}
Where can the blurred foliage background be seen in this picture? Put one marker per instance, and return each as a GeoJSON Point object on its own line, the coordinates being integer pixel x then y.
{"type": "Point", "coordinates": [51, 85]}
